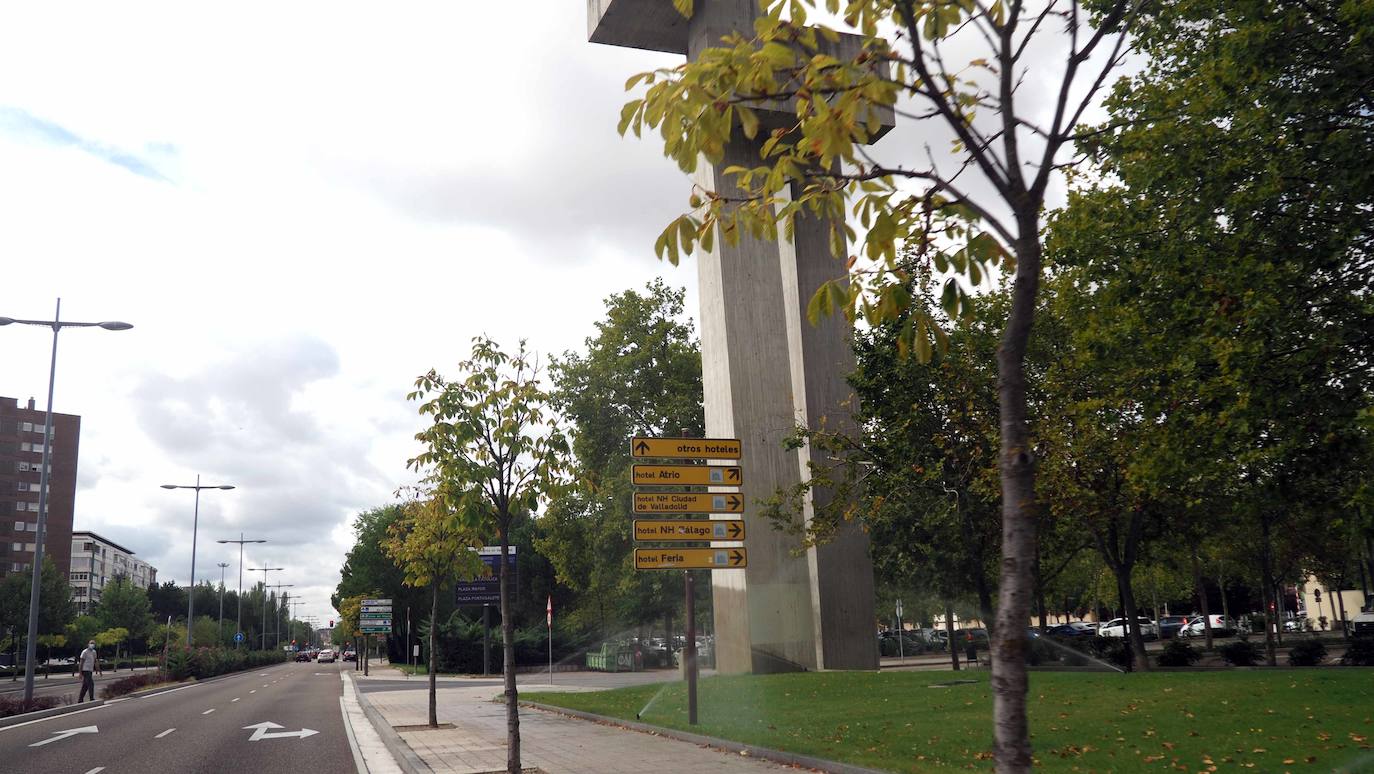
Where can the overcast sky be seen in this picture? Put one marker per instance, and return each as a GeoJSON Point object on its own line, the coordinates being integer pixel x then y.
{"type": "Point", "coordinates": [301, 207]}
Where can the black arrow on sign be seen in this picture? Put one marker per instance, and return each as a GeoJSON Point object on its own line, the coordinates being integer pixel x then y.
{"type": "Point", "coordinates": [734, 502]}
{"type": "Point", "coordinates": [735, 530]}
{"type": "Point", "coordinates": [734, 474]}
{"type": "Point", "coordinates": [736, 557]}
{"type": "Point", "coordinates": [642, 448]}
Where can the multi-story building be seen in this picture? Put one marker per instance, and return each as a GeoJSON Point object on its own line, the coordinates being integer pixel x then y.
{"type": "Point", "coordinates": [97, 561]}
{"type": "Point", "coordinates": [21, 466]}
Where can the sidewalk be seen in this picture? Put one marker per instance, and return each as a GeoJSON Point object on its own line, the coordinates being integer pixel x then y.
{"type": "Point", "coordinates": [557, 744]}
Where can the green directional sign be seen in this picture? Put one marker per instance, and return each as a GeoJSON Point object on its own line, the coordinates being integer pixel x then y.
{"type": "Point", "coordinates": [366, 616]}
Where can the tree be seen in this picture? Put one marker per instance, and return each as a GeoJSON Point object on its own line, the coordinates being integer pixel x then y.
{"type": "Point", "coordinates": [433, 547]}
{"type": "Point", "coordinates": [491, 451]}
{"type": "Point", "coordinates": [112, 637]}
{"type": "Point", "coordinates": [640, 375]}
{"type": "Point", "coordinates": [369, 572]}
{"type": "Point", "coordinates": [124, 605]}
{"type": "Point", "coordinates": [815, 165]}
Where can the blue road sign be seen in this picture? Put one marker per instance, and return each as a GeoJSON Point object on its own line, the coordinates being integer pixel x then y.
{"type": "Point", "coordinates": [238, 637]}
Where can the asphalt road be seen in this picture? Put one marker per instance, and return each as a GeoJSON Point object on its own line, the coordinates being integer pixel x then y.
{"type": "Point", "coordinates": [205, 727]}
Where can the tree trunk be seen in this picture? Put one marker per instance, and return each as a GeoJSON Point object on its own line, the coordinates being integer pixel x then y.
{"type": "Point", "coordinates": [1016, 465]}
{"type": "Point", "coordinates": [508, 650]}
{"type": "Point", "coordinates": [1225, 606]}
{"type": "Point", "coordinates": [1202, 601]}
{"type": "Point", "coordinates": [1280, 607]}
{"type": "Point", "coordinates": [1131, 613]}
{"type": "Point", "coordinates": [949, 630]}
{"type": "Point", "coordinates": [1340, 599]}
{"type": "Point", "coordinates": [433, 660]}
{"type": "Point", "coordinates": [1040, 592]}
{"type": "Point", "coordinates": [1267, 583]}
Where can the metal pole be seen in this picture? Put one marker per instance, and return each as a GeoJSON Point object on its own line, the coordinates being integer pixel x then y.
{"type": "Point", "coordinates": [191, 597]}
{"type": "Point", "coordinates": [30, 647]}
{"type": "Point", "coordinates": [264, 609]}
{"type": "Point", "coordinates": [486, 638]}
{"type": "Point", "coordinates": [238, 617]}
{"type": "Point", "coordinates": [222, 565]}
{"type": "Point", "coordinates": [689, 586]}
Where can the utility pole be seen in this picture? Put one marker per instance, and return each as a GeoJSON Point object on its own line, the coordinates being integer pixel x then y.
{"type": "Point", "coordinates": [238, 618]}
{"type": "Point", "coordinates": [265, 570]}
{"type": "Point", "coordinates": [222, 565]}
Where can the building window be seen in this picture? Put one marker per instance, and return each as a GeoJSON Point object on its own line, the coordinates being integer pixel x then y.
{"type": "Point", "coordinates": [19, 526]}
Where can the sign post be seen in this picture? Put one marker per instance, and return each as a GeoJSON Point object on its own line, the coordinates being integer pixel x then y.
{"type": "Point", "coordinates": [670, 502]}
{"type": "Point", "coordinates": [549, 617]}
{"type": "Point", "coordinates": [901, 646]}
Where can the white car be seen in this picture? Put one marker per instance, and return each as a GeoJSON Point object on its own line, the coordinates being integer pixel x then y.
{"type": "Point", "coordinates": [326, 656]}
{"type": "Point", "coordinates": [1117, 628]}
{"type": "Point", "coordinates": [1221, 626]}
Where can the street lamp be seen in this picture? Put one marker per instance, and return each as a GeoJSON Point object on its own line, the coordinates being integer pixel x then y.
{"type": "Point", "coordinates": [31, 647]}
{"type": "Point", "coordinates": [265, 570]}
{"type": "Point", "coordinates": [294, 604]}
{"type": "Point", "coordinates": [221, 566]}
{"type": "Point", "coordinates": [195, 527]}
{"type": "Point", "coordinates": [238, 617]}
{"type": "Point", "coordinates": [276, 614]}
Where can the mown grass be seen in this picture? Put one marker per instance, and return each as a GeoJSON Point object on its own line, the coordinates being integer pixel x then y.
{"type": "Point", "coordinates": [1262, 720]}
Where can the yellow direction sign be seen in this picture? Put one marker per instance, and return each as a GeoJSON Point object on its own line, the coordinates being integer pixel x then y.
{"type": "Point", "coordinates": [687, 502]}
{"type": "Point", "coordinates": [689, 529]}
{"type": "Point", "coordinates": [687, 475]}
{"type": "Point", "coordinates": [690, 558]}
{"type": "Point", "coordinates": [687, 448]}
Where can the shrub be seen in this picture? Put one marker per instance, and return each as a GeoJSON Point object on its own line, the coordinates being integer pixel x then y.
{"type": "Point", "coordinates": [15, 705]}
{"type": "Point", "coordinates": [1240, 653]}
{"type": "Point", "coordinates": [130, 684]}
{"type": "Point", "coordinates": [1178, 654]}
{"type": "Point", "coordinates": [1308, 652]}
{"type": "Point", "coordinates": [1112, 650]}
{"type": "Point", "coordinates": [1359, 652]}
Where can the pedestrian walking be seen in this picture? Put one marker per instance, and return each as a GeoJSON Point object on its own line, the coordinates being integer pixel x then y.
{"type": "Point", "coordinates": [89, 662]}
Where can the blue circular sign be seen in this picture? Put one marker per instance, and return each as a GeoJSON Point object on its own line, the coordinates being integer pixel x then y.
{"type": "Point", "coordinates": [238, 637]}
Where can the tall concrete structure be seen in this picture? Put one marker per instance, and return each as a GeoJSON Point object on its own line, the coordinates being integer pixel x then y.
{"type": "Point", "coordinates": [21, 467]}
{"type": "Point", "coordinates": [766, 369]}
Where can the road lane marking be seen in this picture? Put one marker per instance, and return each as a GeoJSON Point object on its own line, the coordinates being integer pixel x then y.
{"type": "Point", "coordinates": [60, 735]}
{"type": "Point", "coordinates": [96, 770]}
{"type": "Point", "coordinates": [231, 701]}
{"type": "Point", "coordinates": [260, 732]}
{"type": "Point", "coordinates": [63, 716]}
{"type": "Point", "coordinates": [207, 712]}
{"type": "Point", "coordinates": [255, 690]}
{"type": "Point", "coordinates": [164, 733]}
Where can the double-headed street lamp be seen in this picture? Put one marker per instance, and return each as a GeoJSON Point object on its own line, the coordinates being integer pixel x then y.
{"type": "Point", "coordinates": [195, 527]}
{"type": "Point", "coordinates": [221, 566]}
{"type": "Point", "coordinates": [276, 614]}
{"type": "Point", "coordinates": [238, 617]}
{"type": "Point", "coordinates": [31, 647]}
{"type": "Point", "coordinates": [264, 570]}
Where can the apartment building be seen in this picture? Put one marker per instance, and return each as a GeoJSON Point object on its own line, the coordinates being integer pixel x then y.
{"type": "Point", "coordinates": [97, 561]}
{"type": "Point", "coordinates": [21, 467]}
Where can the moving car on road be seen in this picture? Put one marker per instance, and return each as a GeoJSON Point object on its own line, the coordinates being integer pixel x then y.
{"type": "Point", "coordinates": [326, 656]}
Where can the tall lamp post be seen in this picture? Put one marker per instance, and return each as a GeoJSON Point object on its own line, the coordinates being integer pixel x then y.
{"type": "Point", "coordinates": [31, 646]}
{"type": "Point", "coordinates": [276, 614]}
{"type": "Point", "coordinates": [264, 570]}
{"type": "Point", "coordinates": [294, 605]}
{"type": "Point", "coordinates": [195, 527]}
{"type": "Point", "coordinates": [238, 617]}
{"type": "Point", "coordinates": [221, 566]}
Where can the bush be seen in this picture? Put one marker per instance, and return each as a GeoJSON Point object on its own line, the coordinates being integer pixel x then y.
{"type": "Point", "coordinates": [1308, 652]}
{"type": "Point", "coordinates": [1112, 650]}
{"type": "Point", "coordinates": [202, 663]}
{"type": "Point", "coordinates": [1178, 654]}
{"type": "Point", "coordinates": [1240, 653]}
{"type": "Point", "coordinates": [130, 684]}
{"type": "Point", "coordinates": [1359, 652]}
{"type": "Point", "coordinates": [15, 705]}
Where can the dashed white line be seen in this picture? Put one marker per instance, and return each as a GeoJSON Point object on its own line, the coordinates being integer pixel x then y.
{"type": "Point", "coordinates": [255, 690]}
{"type": "Point", "coordinates": [164, 733]}
{"type": "Point", "coordinates": [231, 701]}
{"type": "Point", "coordinates": [207, 712]}
{"type": "Point", "coordinates": [96, 770]}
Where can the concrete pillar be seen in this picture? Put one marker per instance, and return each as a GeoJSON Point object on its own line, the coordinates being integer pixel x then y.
{"type": "Point", "coordinates": [765, 370]}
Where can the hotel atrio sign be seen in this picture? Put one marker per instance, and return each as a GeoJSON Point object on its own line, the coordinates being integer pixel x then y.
{"type": "Point", "coordinates": [687, 475]}
{"type": "Point", "coordinates": [686, 448]}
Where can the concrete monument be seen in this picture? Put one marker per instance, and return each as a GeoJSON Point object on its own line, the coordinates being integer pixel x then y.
{"type": "Point", "coordinates": [765, 370]}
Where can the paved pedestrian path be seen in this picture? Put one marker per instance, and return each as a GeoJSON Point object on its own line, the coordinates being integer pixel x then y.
{"type": "Point", "coordinates": [554, 743]}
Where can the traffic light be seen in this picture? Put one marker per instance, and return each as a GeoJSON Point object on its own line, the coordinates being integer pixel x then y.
{"type": "Point", "coordinates": [331, 623]}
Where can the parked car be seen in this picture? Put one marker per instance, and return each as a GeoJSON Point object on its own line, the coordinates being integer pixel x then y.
{"type": "Point", "coordinates": [1170, 625]}
{"type": "Point", "coordinates": [1297, 625]}
{"type": "Point", "coordinates": [303, 655]}
{"type": "Point", "coordinates": [1117, 628]}
{"type": "Point", "coordinates": [348, 655]}
{"type": "Point", "coordinates": [1073, 629]}
{"type": "Point", "coordinates": [1221, 626]}
{"type": "Point", "coordinates": [326, 656]}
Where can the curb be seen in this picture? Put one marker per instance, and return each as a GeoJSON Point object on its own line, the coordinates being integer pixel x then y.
{"type": "Point", "coordinates": [24, 717]}
{"type": "Point", "coordinates": [752, 751]}
{"type": "Point", "coordinates": [405, 757]}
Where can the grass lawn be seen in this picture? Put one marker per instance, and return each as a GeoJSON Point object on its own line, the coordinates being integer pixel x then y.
{"type": "Point", "coordinates": [1263, 720]}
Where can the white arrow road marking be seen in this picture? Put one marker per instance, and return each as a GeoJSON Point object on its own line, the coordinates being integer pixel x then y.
{"type": "Point", "coordinates": [164, 733]}
{"type": "Point", "coordinates": [59, 735]}
{"type": "Point", "coordinates": [260, 732]}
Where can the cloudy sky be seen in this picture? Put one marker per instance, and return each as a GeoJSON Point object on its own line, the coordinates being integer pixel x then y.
{"type": "Point", "coordinates": [300, 207]}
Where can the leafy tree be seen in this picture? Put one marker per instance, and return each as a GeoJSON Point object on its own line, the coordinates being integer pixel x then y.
{"type": "Point", "coordinates": [112, 638]}
{"type": "Point", "coordinates": [434, 547]}
{"type": "Point", "coordinates": [169, 601]}
{"type": "Point", "coordinates": [369, 572]}
{"type": "Point", "coordinates": [491, 451]}
{"type": "Point", "coordinates": [124, 605]}
{"type": "Point", "coordinates": [815, 165]}
{"type": "Point", "coordinates": [83, 630]}
{"type": "Point", "coordinates": [640, 375]}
